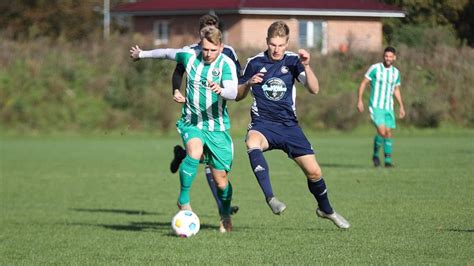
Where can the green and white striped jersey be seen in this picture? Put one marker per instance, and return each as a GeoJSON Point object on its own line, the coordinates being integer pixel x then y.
{"type": "Point", "coordinates": [383, 82]}
{"type": "Point", "coordinates": [203, 108]}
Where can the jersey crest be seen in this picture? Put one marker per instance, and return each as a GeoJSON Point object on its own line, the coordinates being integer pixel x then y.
{"type": "Point", "coordinates": [274, 89]}
{"type": "Point", "coordinates": [216, 72]}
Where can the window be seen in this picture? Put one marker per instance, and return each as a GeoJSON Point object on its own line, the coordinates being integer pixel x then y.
{"type": "Point", "coordinates": [161, 32]}
{"type": "Point", "coordinates": [312, 35]}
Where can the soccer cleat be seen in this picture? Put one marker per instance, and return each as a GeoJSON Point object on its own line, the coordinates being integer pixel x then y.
{"type": "Point", "coordinates": [335, 217]}
{"type": "Point", "coordinates": [376, 161]}
{"type": "Point", "coordinates": [225, 224]}
{"type": "Point", "coordinates": [234, 210]}
{"type": "Point", "coordinates": [179, 155]}
{"type": "Point", "coordinates": [277, 206]}
{"type": "Point", "coordinates": [184, 207]}
{"type": "Point", "coordinates": [388, 161]}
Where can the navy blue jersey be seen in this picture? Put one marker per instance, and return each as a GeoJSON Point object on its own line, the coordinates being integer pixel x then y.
{"type": "Point", "coordinates": [274, 98]}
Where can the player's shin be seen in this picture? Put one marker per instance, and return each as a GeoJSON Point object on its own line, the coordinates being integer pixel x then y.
{"type": "Point", "coordinates": [187, 173]}
{"type": "Point", "coordinates": [225, 196]}
{"type": "Point", "coordinates": [387, 147]}
{"type": "Point", "coordinates": [260, 169]}
{"type": "Point", "coordinates": [212, 186]}
{"type": "Point", "coordinates": [378, 140]}
{"type": "Point", "coordinates": [319, 191]}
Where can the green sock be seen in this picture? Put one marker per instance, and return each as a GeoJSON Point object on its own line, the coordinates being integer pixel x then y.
{"type": "Point", "coordinates": [387, 148]}
{"type": "Point", "coordinates": [187, 173]}
{"type": "Point", "coordinates": [378, 140]}
{"type": "Point", "coordinates": [226, 197]}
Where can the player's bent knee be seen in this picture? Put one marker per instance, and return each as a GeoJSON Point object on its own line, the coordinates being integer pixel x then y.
{"type": "Point", "coordinates": [195, 153]}
{"type": "Point", "coordinates": [222, 184]}
{"type": "Point", "coordinates": [315, 175]}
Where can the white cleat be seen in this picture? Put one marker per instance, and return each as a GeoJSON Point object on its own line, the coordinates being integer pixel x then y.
{"type": "Point", "coordinates": [335, 217]}
{"type": "Point", "coordinates": [277, 206]}
{"type": "Point", "coordinates": [225, 225]}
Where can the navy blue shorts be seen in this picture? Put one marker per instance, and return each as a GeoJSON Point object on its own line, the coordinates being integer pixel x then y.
{"type": "Point", "coordinates": [289, 139]}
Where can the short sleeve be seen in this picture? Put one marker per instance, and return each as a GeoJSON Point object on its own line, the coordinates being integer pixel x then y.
{"type": "Point", "coordinates": [248, 73]}
{"type": "Point", "coordinates": [398, 80]}
{"type": "Point", "coordinates": [229, 51]}
{"type": "Point", "coordinates": [371, 72]}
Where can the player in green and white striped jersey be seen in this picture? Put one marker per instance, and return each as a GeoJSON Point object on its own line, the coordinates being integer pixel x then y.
{"type": "Point", "coordinates": [204, 123]}
{"type": "Point", "coordinates": [384, 81]}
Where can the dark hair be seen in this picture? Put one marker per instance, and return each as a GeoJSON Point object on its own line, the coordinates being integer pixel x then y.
{"type": "Point", "coordinates": [390, 49]}
{"type": "Point", "coordinates": [209, 20]}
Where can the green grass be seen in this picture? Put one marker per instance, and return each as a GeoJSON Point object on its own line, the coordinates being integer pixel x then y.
{"type": "Point", "coordinates": [110, 200]}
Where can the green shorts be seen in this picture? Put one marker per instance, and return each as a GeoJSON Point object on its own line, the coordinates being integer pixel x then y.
{"type": "Point", "coordinates": [381, 117]}
{"type": "Point", "coordinates": [218, 146]}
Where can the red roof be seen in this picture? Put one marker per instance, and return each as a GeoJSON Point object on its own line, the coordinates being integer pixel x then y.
{"type": "Point", "coordinates": [235, 5]}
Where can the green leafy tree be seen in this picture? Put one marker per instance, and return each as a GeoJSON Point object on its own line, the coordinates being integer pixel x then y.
{"type": "Point", "coordinates": [71, 19]}
{"type": "Point", "coordinates": [440, 15]}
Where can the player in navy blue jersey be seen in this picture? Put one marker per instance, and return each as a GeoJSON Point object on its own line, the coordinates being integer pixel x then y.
{"type": "Point", "coordinates": [270, 76]}
{"type": "Point", "coordinates": [177, 79]}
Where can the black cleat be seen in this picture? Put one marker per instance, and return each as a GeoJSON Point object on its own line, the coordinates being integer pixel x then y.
{"type": "Point", "coordinates": [234, 210]}
{"type": "Point", "coordinates": [389, 165]}
{"type": "Point", "coordinates": [376, 161]}
{"type": "Point", "coordinates": [179, 155]}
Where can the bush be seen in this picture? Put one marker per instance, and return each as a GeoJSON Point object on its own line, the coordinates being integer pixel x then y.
{"type": "Point", "coordinates": [47, 85]}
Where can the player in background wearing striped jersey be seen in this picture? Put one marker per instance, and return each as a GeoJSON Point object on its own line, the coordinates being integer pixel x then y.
{"type": "Point", "coordinates": [204, 124]}
{"type": "Point", "coordinates": [178, 151]}
{"type": "Point", "coordinates": [270, 76]}
{"type": "Point", "coordinates": [384, 81]}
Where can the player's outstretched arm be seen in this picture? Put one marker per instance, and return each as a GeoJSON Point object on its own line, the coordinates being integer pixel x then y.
{"type": "Point", "coordinates": [360, 93]}
{"type": "Point", "coordinates": [136, 53]}
{"type": "Point", "coordinates": [311, 82]}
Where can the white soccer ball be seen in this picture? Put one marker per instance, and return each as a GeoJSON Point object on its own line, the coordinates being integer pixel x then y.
{"type": "Point", "coordinates": [185, 224]}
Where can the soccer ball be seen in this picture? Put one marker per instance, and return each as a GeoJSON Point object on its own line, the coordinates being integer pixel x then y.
{"type": "Point", "coordinates": [185, 224]}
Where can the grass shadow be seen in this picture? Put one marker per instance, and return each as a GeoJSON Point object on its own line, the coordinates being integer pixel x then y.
{"type": "Point", "coordinates": [144, 226]}
{"type": "Point", "coordinates": [340, 165]}
{"type": "Point", "coordinates": [118, 211]}
{"type": "Point", "coordinates": [468, 230]}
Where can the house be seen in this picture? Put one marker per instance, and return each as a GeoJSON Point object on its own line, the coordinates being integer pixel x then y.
{"type": "Point", "coordinates": [319, 25]}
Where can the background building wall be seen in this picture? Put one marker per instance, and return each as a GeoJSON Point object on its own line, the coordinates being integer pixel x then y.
{"type": "Point", "coordinates": [249, 32]}
{"type": "Point", "coordinates": [356, 34]}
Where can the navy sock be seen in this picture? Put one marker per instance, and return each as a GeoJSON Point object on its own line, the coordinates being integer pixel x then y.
{"type": "Point", "coordinates": [213, 187]}
{"type": "Point", "coordinates": [260, 169]}
{"type": "Point", "coordinates": [318, 189]}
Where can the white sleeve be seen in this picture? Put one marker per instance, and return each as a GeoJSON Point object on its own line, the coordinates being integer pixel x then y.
{"type": "Point", "coordinates": [302, 78]}
{"type": "Point", "coordinates": [160, 53]}
{"type": "Point", "coordinates": [229, 91]}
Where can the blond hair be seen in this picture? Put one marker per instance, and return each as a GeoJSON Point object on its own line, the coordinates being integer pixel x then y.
{"type": "Point", "coordinates": [278, 29]}
{"type": "Point", "coordinates": [211, 34]}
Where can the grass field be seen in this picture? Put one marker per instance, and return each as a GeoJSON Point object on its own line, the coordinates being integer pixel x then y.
{"type": "Point", "coordinates": [110, 199]}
